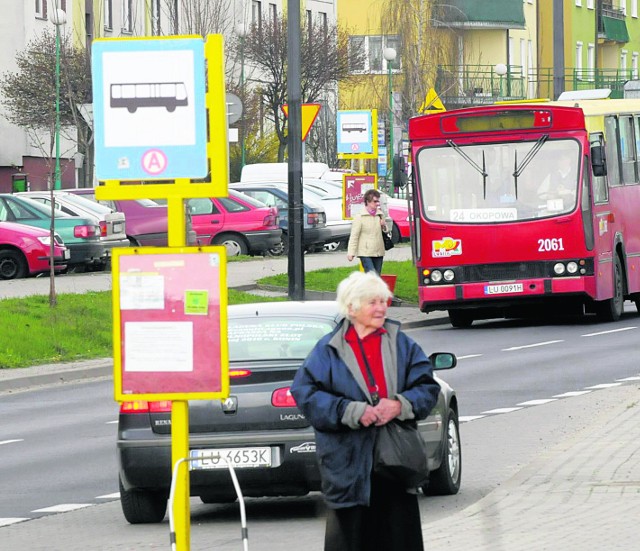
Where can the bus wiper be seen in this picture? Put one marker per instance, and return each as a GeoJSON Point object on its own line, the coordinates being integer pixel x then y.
{"type": "Point", "coordinates": [518, 170]}
{"type": "Point", "coordinates": [482, 170]}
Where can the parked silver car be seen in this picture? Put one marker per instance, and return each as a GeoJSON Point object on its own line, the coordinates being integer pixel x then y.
{"type": "Point", "coordinates": [112, 223]}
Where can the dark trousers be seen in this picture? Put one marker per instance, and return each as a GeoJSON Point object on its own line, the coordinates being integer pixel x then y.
{"type": "Point", "coordinates": [372, 263]}
{"type": "Point", "coordinates": [390, 523]}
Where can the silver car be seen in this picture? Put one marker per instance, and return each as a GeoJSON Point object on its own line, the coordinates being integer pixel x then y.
{"type": "Point", "coordinates": [112, 223]}
{"type": "Point", "coordinates": [258, 427]}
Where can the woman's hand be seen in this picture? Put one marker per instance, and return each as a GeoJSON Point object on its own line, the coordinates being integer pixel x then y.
{"type": "Point", "coordinates": [350, 257]}
{"type": "Point", "coordinates": [369, 417]}
{"type": "Point", "coordinates": [386, 411]}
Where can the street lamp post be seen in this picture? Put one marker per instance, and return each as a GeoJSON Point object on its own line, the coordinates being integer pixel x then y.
{"type": "Point", "coordinates": [241, 31]}
{"type": "Point", "coordinates": [58, 18]}
{"type": "Point", "coordinates": [501, 70]}
{"type": "Point", "coordinates": [390, 55]}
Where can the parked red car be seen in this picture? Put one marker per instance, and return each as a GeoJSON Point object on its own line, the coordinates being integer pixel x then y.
{"type": "Point", "coordinates": [24, 251]}
{"type": "Point", "coordinates": [239, 222]}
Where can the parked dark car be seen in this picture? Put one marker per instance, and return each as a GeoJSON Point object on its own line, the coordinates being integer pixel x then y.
{"type": "Point", "coordinates": [25, 250]}
{"type": "Point", "coordinates": [81, 235]}
{"type": "Point", "coordinates": [316, 232]}
{"type": "Point", "coordinates": [258, 428]}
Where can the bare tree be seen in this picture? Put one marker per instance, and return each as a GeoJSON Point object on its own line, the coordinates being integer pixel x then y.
{"type": "Point", "coordinates": [325, 60]}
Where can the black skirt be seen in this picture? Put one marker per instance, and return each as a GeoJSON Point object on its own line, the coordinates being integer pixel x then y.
{"type": "Point", "coordinates": [390, 523]}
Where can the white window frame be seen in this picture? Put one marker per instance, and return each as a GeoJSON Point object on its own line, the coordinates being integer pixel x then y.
{"type": "Point", "coordinates": [634, 65]}
{"type": "Point", "coordinates": [634, 8]}
{"type": "Point", "coordinates": [256, 13]}
{"type": "Point", "coordinates": [579, 66]}
{"type": "Point", "coordinates": [127, 16]}
{"type": "Point", "coordinates": [623, 6]}
{"type": "Point", "coordinates": [591, 61]}
{"type": "Point", "coordinates": [591, 5]}
{"type": "Point", "coordinates": [156, 17]}
{"type": "Point", "coordinates": [578, 3]}
{"type": "Point", "coordinates": [41, 9]}
{"type": "Point", "coordinates": [397, 63]}
{"type": "Point", "coordinates": [108, 14]}
{"type": "Point", "coordinates": [623, 60]}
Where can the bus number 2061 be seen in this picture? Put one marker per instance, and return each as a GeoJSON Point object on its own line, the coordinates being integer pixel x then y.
{"type": "Point", "coordinates": [545, 245]}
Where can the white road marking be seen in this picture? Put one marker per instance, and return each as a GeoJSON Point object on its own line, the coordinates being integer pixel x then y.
{"type": "Point", "coordinates": [603, 385]}
{"type": "Point", "coordinates": [572, 393]}
{"type": "Point", "coordinates": [607, 332]}
{"type": "Point", "coordinates": [63, 508]}
{"type": "Point", "coordinates": [109, 496]}
{"type": "Point", "coordinates": [501, 410]}
{"type": "Point", "coordinates": [636, 378]}
{"type": "Point", "coordinates": [469, 356]}
{"type": "Point", "coordinates": [530, 345]}
{"type": "Point", "coordinates": [537, 402]}
{"type": "Point", "coordinates": [8, 521]}
{"type": "Point", "coordinates": [111, 422]}
{"type": "Point", "coordinates": [11, 441]}
{"type": "Point", "coordinates": [467, 418]}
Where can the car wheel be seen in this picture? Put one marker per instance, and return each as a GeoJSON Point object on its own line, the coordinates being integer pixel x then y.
{"type": "Point", "coordinates": [395, 234]}
{"type": "Point", "coordinates": [12, 265]}
{"type": "Point", "coordinates": [445, 480]}
{"type": "Point", "coordinates": [133, 242]}
{"type": "Point", "coordinates": [611, 309]}
{"type": "Point", "coordinates": [281, 248]}
{"type": "Point", "coordinates": [333, 246]}
{"type": "Point", "coordinates": [460, 318]}
{"type": "Point", "coordinates": [234, 244]}
{"type": "Point", "coordinates": [142, 506]}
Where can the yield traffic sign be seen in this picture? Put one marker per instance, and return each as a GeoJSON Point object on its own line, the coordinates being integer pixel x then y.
{"type": "Point", "coordinates": [309, 113]}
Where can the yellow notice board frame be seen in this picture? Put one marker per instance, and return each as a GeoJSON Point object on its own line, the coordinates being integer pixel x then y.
{"type": "Point", "coordinates": [374, 142]}
{"type": "Point", "coordinates": [217, 146]}
{"type": "Point", "coordinates": [170, 323]}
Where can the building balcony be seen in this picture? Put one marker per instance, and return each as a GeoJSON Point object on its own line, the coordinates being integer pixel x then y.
{"type": "Point", "coordinates": [612, 26]}
{"type": "Point", "coordinates": [470, 85]}
{"type": "Point", "coordinates": [471, 14]}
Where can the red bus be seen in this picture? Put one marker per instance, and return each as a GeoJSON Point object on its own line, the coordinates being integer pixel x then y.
{"type": "Point", "coordinates": [522, 208]}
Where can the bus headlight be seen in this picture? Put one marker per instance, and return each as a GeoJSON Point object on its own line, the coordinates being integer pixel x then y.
{"type": "Point", "coordinates": [572, 267]}
{"type": "Point", "coordinates": [436, 276]}
{"type": "Point", "coordinates": [448, 275]}
{"type": "Point", "coordinates": [559, 268]}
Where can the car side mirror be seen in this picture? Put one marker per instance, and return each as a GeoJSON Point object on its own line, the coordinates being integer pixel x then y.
{"type": "Point", "coordinates": [443, 360]}
{"type": "Point", "coordinates": [598, 164]}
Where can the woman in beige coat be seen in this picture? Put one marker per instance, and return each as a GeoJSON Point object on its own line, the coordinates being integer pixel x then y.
{"type": "Point", "coordinates": [365, 240]}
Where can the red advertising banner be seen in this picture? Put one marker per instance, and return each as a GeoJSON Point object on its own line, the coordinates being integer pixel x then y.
{"type": "Point", "coordinates": [354, 187]}
{"type": "Point", "coordinates": [170, 330]}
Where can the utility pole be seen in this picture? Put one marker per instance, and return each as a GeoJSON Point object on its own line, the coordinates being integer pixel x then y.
{"type": "Point", "coordinates": [558, 48]}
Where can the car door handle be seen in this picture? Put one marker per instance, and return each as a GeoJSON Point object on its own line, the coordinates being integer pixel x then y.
{"type": "Point", "coordinates": [215, 221]}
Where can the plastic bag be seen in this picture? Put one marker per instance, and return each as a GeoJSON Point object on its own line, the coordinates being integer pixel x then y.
{"type": "Point", "coordinates": [400, 454]}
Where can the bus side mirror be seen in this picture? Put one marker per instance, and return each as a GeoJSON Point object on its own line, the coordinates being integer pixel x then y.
{"type": "Point", "coordinates": [399, 172]}
{"type": "Point", "coordinates": [598, 164]}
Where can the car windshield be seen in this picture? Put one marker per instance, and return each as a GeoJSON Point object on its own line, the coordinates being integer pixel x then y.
{"type": "Point", "coordinates": [501, 182]}
{"type": "Point", "coordinates": [85, 203]}
{"type": "Point", "coordinates": [258, 339]}
{"type": "Point", "coordinates": [25, 205]}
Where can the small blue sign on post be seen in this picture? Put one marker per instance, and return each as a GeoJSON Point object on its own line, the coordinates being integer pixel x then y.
{"type": "Point", "coordinates": [149, 108]}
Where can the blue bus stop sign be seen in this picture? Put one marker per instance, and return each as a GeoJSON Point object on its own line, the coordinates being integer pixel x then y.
{"type": "Point", "coordinates": [149, 108]}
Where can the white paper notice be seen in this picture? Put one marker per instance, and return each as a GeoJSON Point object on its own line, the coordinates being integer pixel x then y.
{"type": "Point", "coordinates": [141, 292]}
{"type": "Point", "coordinates": [158, 346]}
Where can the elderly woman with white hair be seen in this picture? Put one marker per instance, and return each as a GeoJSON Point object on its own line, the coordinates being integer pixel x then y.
{"type": "Point", "coordinates": [344, 404]}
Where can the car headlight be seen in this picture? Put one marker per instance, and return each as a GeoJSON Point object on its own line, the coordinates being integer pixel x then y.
{"type": "Point", "coordinates": [448, 275]}
{"type": "Point", "coordinates": [559, 268]}
{"type": "Point", "coordinates": [45, 240]}
{"type": "Point", "coordinates": [436, 276]}
{"type": "Point", "coordinates": [572, 267]}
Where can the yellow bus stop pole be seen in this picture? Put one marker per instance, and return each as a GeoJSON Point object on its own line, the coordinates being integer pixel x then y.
{"type": "Point", "coordinates": [180, 408]}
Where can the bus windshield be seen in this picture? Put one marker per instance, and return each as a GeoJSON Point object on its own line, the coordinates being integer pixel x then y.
{"type": "Point", "coordinates": [501, 182]}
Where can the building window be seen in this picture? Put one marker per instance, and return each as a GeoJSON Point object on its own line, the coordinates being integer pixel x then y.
{"type": "Point", "coordinates": [273, 13]}
{"type": "Point", "coordinates": [156, 26]}
{"type": "Point", "coordinates": [324, 24]}
{"type": "Point", "coordinates": [523, 58]}
{"type": "Point", "coordinates": [371, 50]}
{"type": "Point", "coordinates": [634, 8]}
{"type": "Point", "coordinates": [579, 74]}
{"type": "Point", "coordinates": [591, 62]}
{"type": "Point", "coordinates": [579, 3]}
{"type": "Point", "coordinates": [256, 14]}
{"type": "Point", "coordinates": [623, 6]}
{"type": "Point", "coordinates": [41, 9]}
{"type": "Point", "coordinates": [623, 61]}
{"type": "Point", "coordinates": [127, 16]}
{"type": "Point", "coordinates": [590, 4]}
{"type": "Point", "coordinates": [108, 14]}
{"type": "Point", "coordinates": [634, 65]}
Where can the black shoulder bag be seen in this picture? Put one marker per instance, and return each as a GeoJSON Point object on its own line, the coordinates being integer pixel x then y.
{"type": "Point", "coordinates": [399, 453]}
